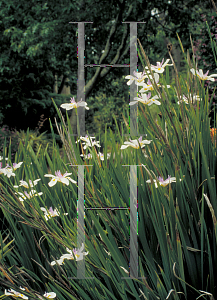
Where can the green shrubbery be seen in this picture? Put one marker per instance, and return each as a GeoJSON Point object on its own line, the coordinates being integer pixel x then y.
{"type": "Point", "coordinates": [6, 133]}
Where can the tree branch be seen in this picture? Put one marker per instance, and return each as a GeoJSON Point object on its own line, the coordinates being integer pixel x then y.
{"type": "Point", "coordinates": [62, 84]}
{"type": "Point", "coordinates": [102, 72]}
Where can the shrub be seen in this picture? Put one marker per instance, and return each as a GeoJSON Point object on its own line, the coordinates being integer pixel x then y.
{"type": "Point", "coordinates": [5, 132]}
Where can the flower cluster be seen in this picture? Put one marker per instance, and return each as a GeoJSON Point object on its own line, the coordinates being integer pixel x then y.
{"type": "Point", "coordinates": [58, 177]}
{"type": "Point", "coordinates": [8, 171]}
{"type": "Point", "coordinates": [87, 143]}
{"type": "Point", "coordinates": [15, 294]}
{"type": "Point", "coordinates": [26, 195]}
{"type": "Point", "coordinates": [148, 100]}
{"type": "Point", "coordinates": [79, 255]}
{"type": "Point", "coordinates": [162, 182]}
{"type": "Point", "coordinates": [139, 80]}
{"type": "Point", "coordinates": [51, 213]}
{"type": "Point", "coordinates": [193, 97]}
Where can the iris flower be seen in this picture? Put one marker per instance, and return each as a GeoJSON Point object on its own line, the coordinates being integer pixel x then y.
{"type": "Point", "coordinates": [203, 76]}
{"type": "Point", "coordinates": [149, 86]}
{"type": "Point", "coordinates": [135, 143]}
{"type": "Point", "coordinates": [160, 67]}
{"type": "Point", "coordinates": [16, 166]}
{"type": "Point", "coordinates": [26, 195]}
{"type": "Point", "coordinates": [88, 142]}
{"type": "Point", "coordinates": [15, 294]}
{"type": "Point", "coordinates": [78, 255]}
{"type": "Point", "coordinates": [73, 104]}
{"type": "Point", "coordinates": [1, 157]}
{"type": "Point", "coordinates": [25, 184]}
{"type": "Point", "coordinates": [85, 139]}
{"type": "Point", "coordinates": [9, 170]}
{"type": "Point", "coordinates": [146, 99]}
{"type": "Point", "coordinates": [91, 144]}
{"type": "Point", "coordinates": [61, 178]}
{"type": "Point", "coordinates": [88, 156]}
{"type": "Point", "coordinates": [48, 295]}
{"type": "Point", "coordinates": [185, 99]}
{"type": "Point", "coordinates": [101, 155]}
{"type": "Point", "coordinates": [139, 77]}
{"type": "Point", "coordinates": [163, 182]}
{"type": "Point", "coordinates": [51, 213]}
{"type": "Point", "coordinates": [6, 170]}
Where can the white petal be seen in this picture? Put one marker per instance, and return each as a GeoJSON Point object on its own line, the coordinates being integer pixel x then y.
{"type": "Point", "coordinates": [52, 182]}
{"type": "Point", "coordinates": [82, 104]}
{"type": "Point", "coordinates": [64, 180]}
{"type": "Point", "coordinates": [124, 270]}
{"type": "Point", "coordinates": [67, 106]}
{"type": "Point", "coordinates": [124, 147]}
{"type": "Point", "coordinates": [133, 102]}
{"type": "Point", "coordinates": [73, 181]}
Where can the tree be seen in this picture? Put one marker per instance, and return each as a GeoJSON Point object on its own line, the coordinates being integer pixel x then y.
{"type": "Point", "coordinates": [38, 45]}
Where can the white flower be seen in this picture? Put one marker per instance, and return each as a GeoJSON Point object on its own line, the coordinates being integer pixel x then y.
{"type": "Point", "coordinates": [88, 156]}
{"type": "Point", "coordinates": [101, 155]}
{"type": "Point", "coordinates": [61, 178]}
{"type": "Point", "coordinates": [139, 77]}
{"type": "Point", "coordinates": [125, 270]}
{"type": "Point", "coordinates": [25, 184]}
{"type": "Point", "coordinates": [85, 139]}
{"type": "Point", "coordinates": [51, 213]}
{"type": "Point", "coordinates": [16, 166]}
{"type": "Point", "coordinates": [48, 295]}
{"type": "Point", "coordinates": [73, 104]}
{"type": "Point", "coordinates": [91, 144]}
{"type": "Point", "coordinates": [9, 170]}
{"type": "Point", "coordinates": [88, 142]}
{"type": "Point", "coordinates": [146, 99]}
{"type": "Point", "coordinates": [149, 86]}
{"type": "Point", "coordinates": [30, 195]}
{"type": "Point", "coordinates": [163, 182]}
{"type": "Point", "coordinates": [1, 157]}
{"type": "Point", "coordinates": [185, 99]}
{"type": "Point", "coordinates": [160, 66]}
{"type": "Point", "coordinates": [13, 293]}
{"type": "Point", "coordinates": [78, 255]}
{"type": "Point", "coordinates": [6, 170]}
{"type": "Point", "coordinates": [135, 143]}
{"type": "Point", "coordinates": [203, 76]}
